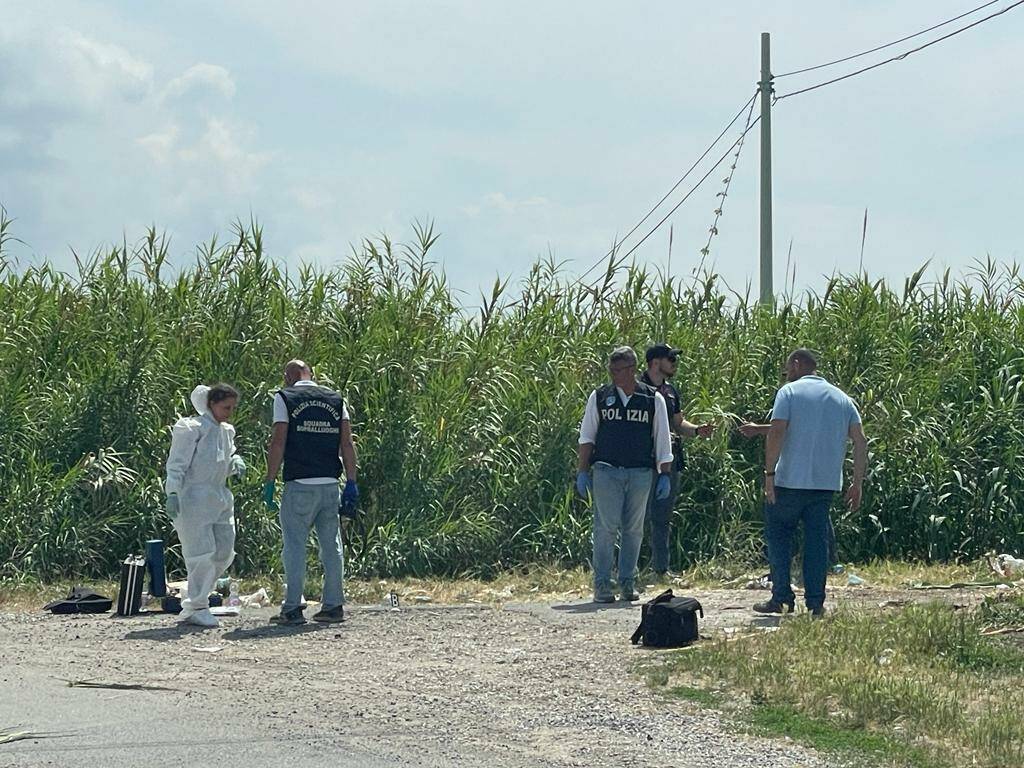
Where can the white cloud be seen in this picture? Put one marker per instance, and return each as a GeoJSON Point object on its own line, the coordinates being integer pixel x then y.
{"type": "Point", "coordinates": [103, 67]}
{"type": "Point", "coordinates": [202, 76]}
{"type": "Point", "coordinates": [159, 145]}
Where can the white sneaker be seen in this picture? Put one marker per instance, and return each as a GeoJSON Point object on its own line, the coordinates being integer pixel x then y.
{"type": "Point", "coordinates": [202, 618]}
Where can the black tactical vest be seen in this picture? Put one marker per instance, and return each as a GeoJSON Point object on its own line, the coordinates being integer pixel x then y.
{"type": "Point", "coordinates": [625, 433]}
{"type": "Point", "coordinates": [314, 432]}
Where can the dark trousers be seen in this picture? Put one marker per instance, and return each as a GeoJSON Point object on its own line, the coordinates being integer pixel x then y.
{"type": "Point", "coordinates": [659, 516]}
{"type": "Point", "coordinates": [793, 506]}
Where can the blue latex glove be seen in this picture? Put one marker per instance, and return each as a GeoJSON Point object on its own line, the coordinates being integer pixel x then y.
{"type": "Point", "coordinates": [237, 466]}
{"type": "Point", "coordinates": [268, 496]}
{"type": "Point", "coordinates": [584, 484]}
{"type": "Point", "coordinates": [350, 496]}
{"type": "Point", "coordinates": [663, 488]}
{"type": "Point", "coordinates": [173, 506]}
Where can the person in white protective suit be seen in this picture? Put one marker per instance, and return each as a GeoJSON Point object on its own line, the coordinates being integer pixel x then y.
{"type": "Point", "coordinates": [199, 503]}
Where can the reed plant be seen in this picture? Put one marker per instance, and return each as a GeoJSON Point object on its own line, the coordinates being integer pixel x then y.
{"type": "Point", "coordinates": [466, 418]}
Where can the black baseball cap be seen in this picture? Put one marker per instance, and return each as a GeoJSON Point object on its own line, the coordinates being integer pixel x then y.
{"type": "Point", "coordinates": [660, 350]}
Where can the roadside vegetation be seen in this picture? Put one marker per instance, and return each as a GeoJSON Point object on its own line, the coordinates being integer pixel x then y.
{"type": "Point", "coordinates": [929, 685]}
{"type": "Point", "coordinates": [466, 417]}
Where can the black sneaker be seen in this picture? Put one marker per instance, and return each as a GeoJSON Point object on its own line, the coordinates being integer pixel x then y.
{"type": "Point", "coordinates": [292, 618]}
{"type": "Point", "coordinates": [628, 592]}
{"type": "Point", "coordinates": [771, 606]}
{"type": "Point", "coordinates": [333, 615]}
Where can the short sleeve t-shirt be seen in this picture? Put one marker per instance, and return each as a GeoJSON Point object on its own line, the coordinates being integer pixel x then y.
{"type": "Point", "coordinates": [819, 417]}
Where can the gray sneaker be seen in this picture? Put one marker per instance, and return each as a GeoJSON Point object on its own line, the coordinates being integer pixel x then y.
{"type": "Point", "coordinates": [603, 593]}
{"type": "Point", "coordinates": [628, 592]}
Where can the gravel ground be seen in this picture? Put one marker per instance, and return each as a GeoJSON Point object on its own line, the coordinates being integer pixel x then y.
{"type": "Point", "coordinates": [529, 684]}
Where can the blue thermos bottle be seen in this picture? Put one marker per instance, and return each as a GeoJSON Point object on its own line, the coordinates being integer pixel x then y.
{"type": "Point", "coordinates": [155, 566]}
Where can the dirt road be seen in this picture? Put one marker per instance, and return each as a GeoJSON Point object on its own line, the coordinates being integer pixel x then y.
{"type": "Point", "coordinates": [528, 684]}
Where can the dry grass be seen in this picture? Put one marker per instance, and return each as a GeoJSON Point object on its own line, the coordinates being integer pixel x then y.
{"type": "Point", "coordinates": [923, 678]}
{"type": "Point", "coordinates": [535, 583]}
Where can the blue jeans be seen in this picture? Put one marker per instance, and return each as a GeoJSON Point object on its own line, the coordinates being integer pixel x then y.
{"type": "Point", "coordinates": [659, 515]}
{"type": "Point", "coordinates": [620, 501]}
{"type": "Point", "coordinates": [793, 506]}
{"type": "Point", "coordinates": [305, 507]}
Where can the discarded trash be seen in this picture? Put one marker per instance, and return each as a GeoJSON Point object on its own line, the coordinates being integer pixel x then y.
{"type": "Point", "coordinates": [838, 568]}
{"type": "Point", "coordinates": [1002, 587]}
{"type": "Point", "coordinates": [17, 733]}
{"type": "Point", "coordinates": [258, 599]}
{"type": "Point", "coordinates": [885, 657]}
{"type": "Point", "coordinates": [853, 580]}
{"type": "Point", "coordinates": [1007, 566]}
{"type": "Point", "coordinates": [763, 582]}
{"type": "Point", "coordinates": [423, 598]}
{"type": "Point", "coordinates": [892, 603]}
{"type": "Point", "coordinates": [209, 649]}
{"type": "Point", "coordinates": [956, 585]}
{"type": "Point", "coordinates": [233, 601]}
{"type": "Point", "coordinates": [223, 610]}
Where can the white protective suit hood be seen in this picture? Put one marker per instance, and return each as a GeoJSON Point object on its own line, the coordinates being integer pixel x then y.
{"type": "Point", "coordinates": [199, 397]}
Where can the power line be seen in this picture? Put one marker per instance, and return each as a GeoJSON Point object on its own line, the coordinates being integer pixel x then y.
{"type": "Point", "coordinates": [901, 56]}
{"type": "Point", "coordinates": [675, 186]}
{"type": "Point", "coordinates": [888, 45]}
{"type": "Point", "coordinates": [693, 189]}
{"type": "Point", "coordinates": [725, 191]}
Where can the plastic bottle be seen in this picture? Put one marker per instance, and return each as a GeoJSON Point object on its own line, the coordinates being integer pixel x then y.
{"type": "Point", "coordinates": [234, 601]}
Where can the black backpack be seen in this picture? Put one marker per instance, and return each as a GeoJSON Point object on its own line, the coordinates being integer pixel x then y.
{"type": "Point", "coordinates": [668, 621]}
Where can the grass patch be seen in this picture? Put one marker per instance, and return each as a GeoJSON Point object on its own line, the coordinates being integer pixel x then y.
{"type": "Point", "coordinates": [824, 736]}
{"type": "Point", "coordinates": [705, 698]}
{"type": "Point", "coordinates": [924, 678]}
{"type": "Point", "coordinates": [905, 573]}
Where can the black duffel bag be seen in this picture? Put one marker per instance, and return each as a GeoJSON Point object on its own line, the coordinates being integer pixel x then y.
{"type": "Point", "coordinates": [668, 621]}
{"type": "Point", "coordinates": [80, 600]}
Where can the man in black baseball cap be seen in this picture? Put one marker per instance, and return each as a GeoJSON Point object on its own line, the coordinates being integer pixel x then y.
{"type": "Point", "coordinates": [659, 351]}
{"type": "Point", "coordinates": [661, 366]}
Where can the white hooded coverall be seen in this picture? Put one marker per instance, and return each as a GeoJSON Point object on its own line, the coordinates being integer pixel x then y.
{"type": "Point", "coordinates": [202, 457]}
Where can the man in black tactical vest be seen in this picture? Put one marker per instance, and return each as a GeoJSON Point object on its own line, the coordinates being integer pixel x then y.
{"type": "Point", "coordinates": [624, 435]}
{"type": "Point", "coordinates": [312, 436]}
{"type": "Point", "coordinates": [661, 366]}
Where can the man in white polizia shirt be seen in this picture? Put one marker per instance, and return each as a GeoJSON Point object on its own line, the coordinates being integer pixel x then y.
{"type": "Point", "coordinates": [312, 437]}
{"type": "Point", "coordinates": [624, 436]}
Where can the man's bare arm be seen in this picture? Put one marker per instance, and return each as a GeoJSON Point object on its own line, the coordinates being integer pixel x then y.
{"type": "Point", "coordinates": [275, 452]}
{"type": "Point", "coordinates": [347, 451]}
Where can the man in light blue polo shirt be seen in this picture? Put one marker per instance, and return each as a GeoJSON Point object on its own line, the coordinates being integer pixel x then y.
{"type": "Point", "coordinates": [811, 423]}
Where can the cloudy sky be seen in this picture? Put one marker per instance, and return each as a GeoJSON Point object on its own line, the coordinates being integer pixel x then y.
{"type": "Point", "coordinates": [521, 129]}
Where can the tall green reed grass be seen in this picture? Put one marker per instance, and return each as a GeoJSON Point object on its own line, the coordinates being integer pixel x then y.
{"type": "Point", "coordinates": [466, 418]}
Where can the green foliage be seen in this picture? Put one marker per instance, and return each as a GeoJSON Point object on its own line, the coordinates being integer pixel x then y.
{"type": "Point", "coordinates": [857, 744]}
{"type": "Point", "coordinates": [924, 676]}
{"type": "Point", "coordinates": [466, 420]}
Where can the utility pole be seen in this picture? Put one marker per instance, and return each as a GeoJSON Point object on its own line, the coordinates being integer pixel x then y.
{"type": "Point", "coordinates": [767, 292]}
